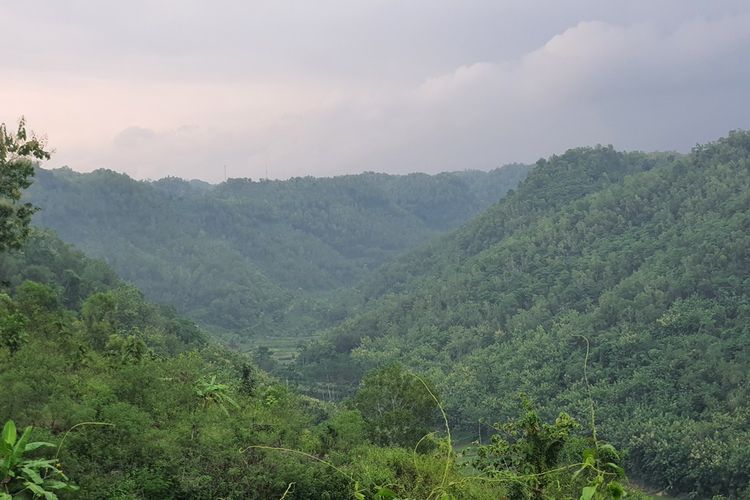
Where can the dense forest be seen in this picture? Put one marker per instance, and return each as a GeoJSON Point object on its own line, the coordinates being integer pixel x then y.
{"type": "Point", "coordinates": [134, 402]}
{"type": "Point", "coordinates": [108, 396]}
{"type": "Point", "coordinates": [645, 258]}
{"type": "Point", "coordinates": [265, 256]}
{"type": "Point", "coordinates": [591, 322]}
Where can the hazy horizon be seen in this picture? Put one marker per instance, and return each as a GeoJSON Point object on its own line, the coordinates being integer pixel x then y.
{"type": "Point", "coordinates": [262, 178]}
{"type": "Point", "coordinates": [286, 89]}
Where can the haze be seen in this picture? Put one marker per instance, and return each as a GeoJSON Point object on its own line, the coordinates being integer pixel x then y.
{"type": "Point", "coordinates": [292, 88]}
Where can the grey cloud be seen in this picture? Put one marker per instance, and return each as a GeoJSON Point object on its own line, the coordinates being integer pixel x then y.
{"type": "Point", "coordinates": [378, 38]}
{"type": "Point", "coordinates": [322, 88]}
{"type": "Point", "coordinates": [635, 86]}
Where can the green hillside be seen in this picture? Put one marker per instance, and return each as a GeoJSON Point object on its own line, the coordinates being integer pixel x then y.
{"type": "Point", "coordinates": [142, 405]}
{"type": "Point", "coordinates": [612, 287]}
{"type": "Point", "coordinates": [257, 257]}
{"type": "Point", "coordinates": [105, 395]}
{"type": "Point", "coordinates": [645, 257]}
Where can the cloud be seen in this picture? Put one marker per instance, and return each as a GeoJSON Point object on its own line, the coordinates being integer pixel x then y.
{"type": "Point", "coordinates": [383, 86]}
{"type": "Point", "coordinates": [636, 86]}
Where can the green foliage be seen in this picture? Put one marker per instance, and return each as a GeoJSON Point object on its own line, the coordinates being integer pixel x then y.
{"type": "Point", "coordinates": [163, 440]}
{"type": "Point", "coordinates": [644, 254]}
{"type": "Point", "coordinates": [18, 151]}
{"type": "Point", "coordinates": [212, 393]}
{"type": "Point", "coordinates": [384, 473]}
{"type": "Point", "coordinates": [12, 325]}
{"type": "Point", "coordinates": [24, 477]}
{"type": "Point", "coordinates": [396, 408]}
{"type": "Point", "coordinates": [121, 321]}
{"type": "Point", "coordinates": [529, 449]}
{"type": "Point", "coordinates": [258, 258]}
{"type": "Point", "coordinates": [44, 258]}
{"type": "Point", "coordinates": [540, 460]}
{"type": "Point", "coordinates": [153, 378]}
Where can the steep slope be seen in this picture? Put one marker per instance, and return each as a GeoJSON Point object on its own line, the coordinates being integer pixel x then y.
{"type": "Point", "coordinates": [124, 399]}
{"type": "Point", "coordinates": [238, 254]}
{"type": "Point", "coordinates": [647, 258]}
{"type": "Point", "coordinates": [46, 259]}
{"type": "Point", "coordinates": [54, 277]}
{"type": "Point", "coordinates": [156, 411]}
{"type": "Point", "coordinates": [548, 187]}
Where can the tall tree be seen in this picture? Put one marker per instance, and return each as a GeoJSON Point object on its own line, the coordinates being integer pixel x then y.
{"type": "Point", "coordinates": [398, 408]}
{"type": "Point", "coordinates": [18, 153]}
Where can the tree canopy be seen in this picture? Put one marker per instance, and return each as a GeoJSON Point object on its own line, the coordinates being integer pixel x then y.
{"type": "Point", "coordinates": [18, 152]}
{"type": "Point", "coordinates": [643, 254]}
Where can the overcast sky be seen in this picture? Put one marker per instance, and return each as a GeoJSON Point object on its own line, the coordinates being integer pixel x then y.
{"type": "Point", "coordinates": [324, 87]}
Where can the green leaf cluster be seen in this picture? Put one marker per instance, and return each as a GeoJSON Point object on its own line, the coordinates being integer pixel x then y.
{"type": "Point", "coordinates": [25, 477]}
{"type": "Point", "coordinates": [18, 151]}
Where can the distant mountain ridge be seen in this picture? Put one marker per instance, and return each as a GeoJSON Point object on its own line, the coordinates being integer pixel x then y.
{"type": "Point", "coordinates": [237, 254]}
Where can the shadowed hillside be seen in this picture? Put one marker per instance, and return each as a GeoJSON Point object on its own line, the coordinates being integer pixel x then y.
{"type": "Point", "coordinates": [254, 257]}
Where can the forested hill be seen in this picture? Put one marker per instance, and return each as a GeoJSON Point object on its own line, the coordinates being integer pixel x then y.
{"type": "Point", "coordinates": [238, 254]}
{"type": "Point", "coordinates": [108, 396]}
{"type": "Point", "coordinates": [647, 257]}
{"type": "Point", "coordinates": [124, 399]}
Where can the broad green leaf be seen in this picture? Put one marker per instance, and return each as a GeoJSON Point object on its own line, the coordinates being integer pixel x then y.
{"type": "Point", "coordinates": [5, 496]}
{"type": "Point", "coordinates": [36, 489]}
{"type": "Point", "coordinates": [48, 495]}
{"type": "Point", "coordinates": [231, 401]}
{"type": "Point", "coordinates": [18, 450]}
{"type": "Point", "coordinates": [357, 492]}
{"type": "Point", "coordinates": [5, 448]}
{"type": "Point", "coordinates": [385, 493]}
{"type": "Point", "coordinates": [37, 444]}
{"type": "Point", "coordinates": [588, 492]}
{"type": "Point", "coordinates": [41, 463]}
{"type": "Point", "coordinates": [32, 474]}
{"type": "Point", "coordinates": [9, 432]}
{"type": "Point", "coordinates": [55, 485]}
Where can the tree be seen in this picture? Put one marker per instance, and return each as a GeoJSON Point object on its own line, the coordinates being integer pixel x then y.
{"type": "Point", "coordinates": [12, 325]}
{"type": "Point", "coordinates": [18, 152]}
{"type": "Point", "coordinates": [397, 407]}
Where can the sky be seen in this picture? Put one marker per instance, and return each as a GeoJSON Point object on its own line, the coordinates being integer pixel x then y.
{"type": "Point", "coordinates": [285, 88]}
